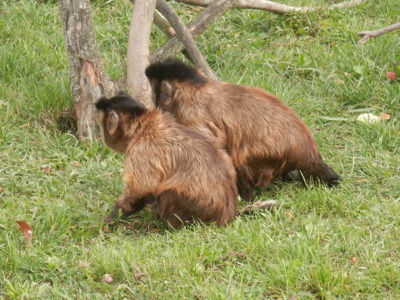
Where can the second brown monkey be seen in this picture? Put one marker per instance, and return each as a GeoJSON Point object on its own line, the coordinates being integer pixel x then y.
{"type": "Point", "coordinates": [264, 137]}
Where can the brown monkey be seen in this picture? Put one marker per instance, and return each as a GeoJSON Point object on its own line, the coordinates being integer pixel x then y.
{"type": "Point", "coordinates": [191, 175]}
{"type": "Point", "coordinates": [265, 138]}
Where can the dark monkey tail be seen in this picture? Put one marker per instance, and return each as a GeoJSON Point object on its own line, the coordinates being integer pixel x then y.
{"type": "Point", "coordinates": [325, 174]}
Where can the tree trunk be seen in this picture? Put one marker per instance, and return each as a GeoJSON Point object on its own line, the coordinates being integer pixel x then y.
{"type": "Point", "coordinates": [88, 78]}
{"type": "Point", "coordinates": [138, 51]}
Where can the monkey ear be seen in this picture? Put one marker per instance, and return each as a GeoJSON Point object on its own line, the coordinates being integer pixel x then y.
{"type": "Point", "coordinates": [112, 122]}
{"type": "Point", "coordinates": [167, 92]}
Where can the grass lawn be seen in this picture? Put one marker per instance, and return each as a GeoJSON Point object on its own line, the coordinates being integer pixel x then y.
{"type": "Point", "coordinates": [320, 243]}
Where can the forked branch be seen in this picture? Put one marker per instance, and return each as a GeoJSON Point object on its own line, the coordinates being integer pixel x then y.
{"type": "Point", "coordinates": [366, 35]}
{"type": "Point", "coordinates": [197, 27]}
{"type": "Point", "coordinates": [185, 37]}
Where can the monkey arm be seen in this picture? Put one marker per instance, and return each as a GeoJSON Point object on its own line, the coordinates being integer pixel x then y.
{"type": "Point", "coordinates": [129, 205]}
{"type": "Point", "coordinates": [139, 190]}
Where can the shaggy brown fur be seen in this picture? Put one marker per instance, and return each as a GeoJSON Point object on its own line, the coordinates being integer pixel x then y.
{"type": "Point", "coordinates": [264, 137]}
{"type": "Point", "coordinates": [191, 175]}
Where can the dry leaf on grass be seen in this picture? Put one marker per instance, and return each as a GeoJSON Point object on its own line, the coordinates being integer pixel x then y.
{"type": "Point", "coordinates": [268, 204]}
{"type": "Point", "coordinates": [384, 116]}
{"type": "Point", "coordinates": [371, 118]}
{"type": "Point", "coordinates": [47, 170]}
{"type": "Point", "coordinates": [139, 276]}
{"type": "Point", "coordinates": [264, 205]}
{"type": "Point", "coordinates": [27, 232]}
{"type": "Point", "coordinates": [353, 260]}
{"type": "Point", "coordinates": [368, 118]}
{"type": "Point", "coordinates": [1, 189]}
{"type": "Point", "coordinates": [107, 278]}
{"type": "Point", "coordinates": [289, 215]}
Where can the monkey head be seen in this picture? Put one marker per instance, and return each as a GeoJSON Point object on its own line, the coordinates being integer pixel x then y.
{"type": "Point", "coordinates": [117, 116]}
{"type": "Point", "coordinates": [165, 77]}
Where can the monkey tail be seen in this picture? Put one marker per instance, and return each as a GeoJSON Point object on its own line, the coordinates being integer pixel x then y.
{"type": "Point", "coordinates": [325, 174]}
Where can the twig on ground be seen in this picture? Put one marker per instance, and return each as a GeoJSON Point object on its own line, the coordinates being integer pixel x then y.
{"type": "Point", "coordinates": [366, 35]}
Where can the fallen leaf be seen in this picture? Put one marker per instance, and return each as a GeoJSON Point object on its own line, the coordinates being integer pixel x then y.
{"type": "Point", "coordinates": [339, 81]}
{"type": "Point", "coordinates": [233, 254]}
{"type": "Point", "coordinates": [76, 163]}
{"type": "Point", "coordinates": [107, 278]}
{"type": "Point", "coordinates": [363, 268]}
{"type": "Point", "coordinates": [140, 275]}
{"type": "Point", "coordinates": [391, 75]}
{"type": "Point", "coordinates": [289, 215]}
{"type": "Point", "coordinates": [106, 229]}
{"type": "Point", "coordinates": [353, 260]}
{"type": "Point", "coordinates": [1, 189]}
{"type": "Point", "coordinates": [264, 205]}
{"type": "Point", "coordinates": [27, 232]}
{"type": "Point", "coordinates": [368, 118]}
{"type": "Point", "coordinates": [46, 170]}
{"type": "Point", "coordinates": [268, 204]}
{"type": "Point", "coordinates": [384, 116]}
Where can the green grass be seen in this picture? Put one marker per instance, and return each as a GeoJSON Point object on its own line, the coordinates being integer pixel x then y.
{"type": "Point", "coordinates": [302, 250]}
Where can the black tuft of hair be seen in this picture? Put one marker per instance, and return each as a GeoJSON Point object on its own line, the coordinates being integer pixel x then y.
{"type": "Point", "coordinates": [121, 102]}
{"type": "Point", "coordinates": [174, 69]}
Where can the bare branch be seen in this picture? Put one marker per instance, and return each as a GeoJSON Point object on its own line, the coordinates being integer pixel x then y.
{"type": "Point", "coordinates": [185, 37]}
{"type": "Point", "coordinates": [366, 35]}
{"type": "Point", "coordinates": [197, 27]}
{"type": "Point", "coordinates": [254, 4]}
{"type": "Point", "coordinates": [346, 4]}
{"type": "Point", "coordinates": [271, 6]}
{"type": "Point", "coordinates": [138, 51]}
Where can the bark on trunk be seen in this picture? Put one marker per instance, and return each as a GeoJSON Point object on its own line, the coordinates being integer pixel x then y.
{"type": "Point", "coordinates": [88, 78]}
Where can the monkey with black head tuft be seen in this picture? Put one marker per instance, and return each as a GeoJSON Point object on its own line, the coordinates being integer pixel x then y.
{"type": "Point", "coordinates": [191, 175]}
{"type": "Point", "coordinates": [264, 137]}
